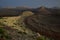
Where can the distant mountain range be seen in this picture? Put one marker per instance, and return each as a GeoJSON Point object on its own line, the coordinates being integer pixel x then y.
{"type": "Point", "coordinates": [18, 11]}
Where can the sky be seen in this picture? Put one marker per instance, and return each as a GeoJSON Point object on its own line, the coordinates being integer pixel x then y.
{"type": "Point", "coordinates": [29, 3]}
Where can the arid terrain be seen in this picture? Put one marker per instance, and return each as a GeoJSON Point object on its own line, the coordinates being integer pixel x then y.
{"type": "Point", "coordinates": [29, 23]}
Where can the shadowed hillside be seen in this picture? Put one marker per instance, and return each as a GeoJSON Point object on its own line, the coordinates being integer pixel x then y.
{"type": "Point", "coordinates": [45, 22]}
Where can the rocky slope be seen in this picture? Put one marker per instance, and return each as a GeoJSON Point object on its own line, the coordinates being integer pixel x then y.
{"type": "Point", "coordinates": [13, 28]}
{"type": "Point", "coordinates": [44, 23]}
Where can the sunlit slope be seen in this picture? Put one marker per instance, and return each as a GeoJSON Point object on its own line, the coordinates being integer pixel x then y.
{"type": "Point", "coordinates": [16, 22]}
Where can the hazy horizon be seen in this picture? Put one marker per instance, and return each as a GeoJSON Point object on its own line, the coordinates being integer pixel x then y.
{"type": "Point", "coordinates": [29, 3]}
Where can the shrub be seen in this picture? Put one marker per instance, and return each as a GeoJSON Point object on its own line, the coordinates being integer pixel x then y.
{"type": "Point", "coordinates": [3, 34]}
